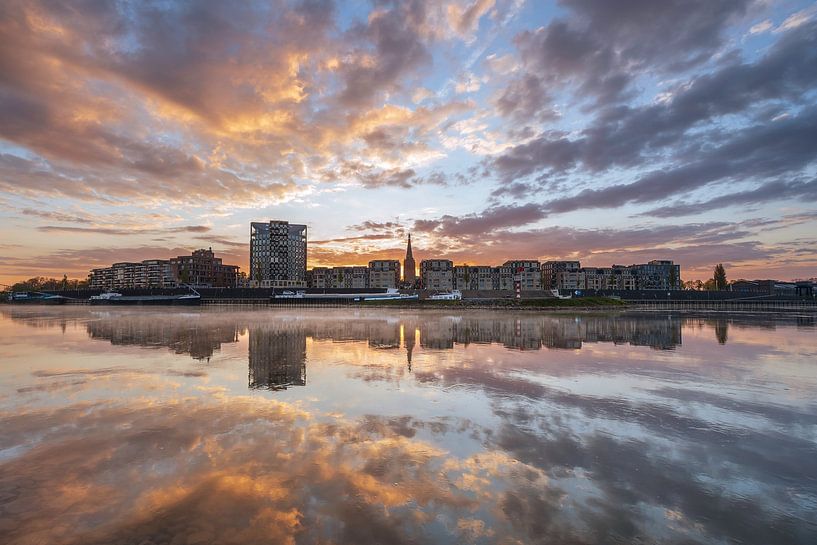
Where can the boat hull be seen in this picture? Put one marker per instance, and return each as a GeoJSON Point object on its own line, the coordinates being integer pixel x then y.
{"type": "Point", "coordinates": [32, 301]}
{"type": "Point", "coordinates": [140, 301]}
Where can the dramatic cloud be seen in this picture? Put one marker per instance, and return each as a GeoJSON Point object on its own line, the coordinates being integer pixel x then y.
{"type": "Point", "coordinates": [452, 116]}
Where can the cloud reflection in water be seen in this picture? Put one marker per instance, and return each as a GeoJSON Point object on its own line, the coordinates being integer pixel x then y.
{"type": "Point", "coordinates": [505, 429]}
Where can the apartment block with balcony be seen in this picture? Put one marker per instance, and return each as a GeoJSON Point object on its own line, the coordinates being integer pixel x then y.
{"type": "Point", "coordinates": [319, 277]}
{"type": "Point", "coordinates": [384, 273]}
{"type": "Point", "coordinates": [528, 272]}
{"type": "Point", "coordinates": [437, 274]}
{"type": "Point", "coordinates": [475, 277]}
{"type": "Point", "coordinates": [658, 274]}
{"type": "Point", "coordinates": [203, 269]}
{"type": "Point", "coordinates": [349, 277]}
{"type": "Point", "coordinates": [561, 275]}
{"type": "Point", "coordinates": [151, 273]}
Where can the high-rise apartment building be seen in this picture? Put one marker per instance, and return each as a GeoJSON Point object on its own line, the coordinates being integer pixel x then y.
{"type": "Point", "coordinates": [278, 254]}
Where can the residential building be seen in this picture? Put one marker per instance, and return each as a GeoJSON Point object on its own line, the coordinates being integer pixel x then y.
{"type": "Point", "coordinates": [527, 272]}
{"type": "Point", "coordinates": [118, 276]}
{"type": "Point", "coordinates": [203, 269]}
{"type": "Point", "coordinates": [158, 273]}
{"type": "Point", "coordinates": [561, 275]}
{"type": "Point", "coordinates": [598, 278]}
{"type": "Point", "coordinates": [151, 273]}
{"type": "Point", "coordinates": [278, 254]}
{"type": "Point", "coordinates": [657, 274]}
{"type": "Point", "coordinates": [409, 267]}
{"type": "Point", "coordinates": [475, 277]}
{"type": "Point", "coordinates": [319, 277]}
{"type": "Point", "coordinates": [437, 274]}
{"type": "Point", "coordinates": [384, 273]}
{"type": "Point", "coordinates": [349, 277]}
{"type": "Point", "coordinates": [622, 278]}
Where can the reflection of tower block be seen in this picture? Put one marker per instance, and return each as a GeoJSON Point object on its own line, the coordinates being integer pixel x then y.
{"type": "Point", "coordinates": [277, 360]}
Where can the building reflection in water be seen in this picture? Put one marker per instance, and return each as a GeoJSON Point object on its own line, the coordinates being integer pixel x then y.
{"type": "Point", "coordinates": [277, 358]}
{"type": "Point", "coordinates": [196, 337]}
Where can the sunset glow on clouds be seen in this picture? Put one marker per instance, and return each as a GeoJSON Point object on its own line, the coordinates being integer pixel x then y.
{"type": "Point", "coordinates": [611, 132]}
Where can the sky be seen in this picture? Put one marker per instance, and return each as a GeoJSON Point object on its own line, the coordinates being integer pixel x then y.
{"type": "Point", "coordinates": [606, 132]}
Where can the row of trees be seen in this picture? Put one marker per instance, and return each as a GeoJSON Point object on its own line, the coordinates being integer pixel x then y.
{"type": "Point", "coordinates": [41, 283]}
{"type": "Point", "coordinates": [716, 283]}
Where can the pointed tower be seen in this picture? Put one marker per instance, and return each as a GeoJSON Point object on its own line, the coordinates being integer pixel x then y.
{"type": "Point", "coordinates": [409, 268]}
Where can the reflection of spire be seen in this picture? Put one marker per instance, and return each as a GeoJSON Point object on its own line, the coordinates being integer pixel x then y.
{"type": "Point", "coordinates": [409, 340]}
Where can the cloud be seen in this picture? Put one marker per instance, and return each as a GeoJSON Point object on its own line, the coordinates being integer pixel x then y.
{"type": "Point", "coordinates": [756, 152]}
{"type": "Point", "coordinates": [802, 191]}
{"type": "Point", "coordinates": [761, 27]}
{"type": "Point", "coordinates": [465, 21]}
{"type": "Point", "coordinates": [628, 137]}
{"type": "Point", "coordinates": [600, 49]}
{"type": "Point", "coordinates": [123, 232]}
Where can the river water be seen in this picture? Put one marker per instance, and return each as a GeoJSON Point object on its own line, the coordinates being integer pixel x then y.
{"type": "Point", "coordinates": [154, 426]}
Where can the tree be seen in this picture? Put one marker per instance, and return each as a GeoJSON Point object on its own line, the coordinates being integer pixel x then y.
{"type": "Point", "coordinates": [720, 277]}
{"type": "Point", "coordinates": [709, 285]}
{"type": "Point", "coordinates": [64, 283]}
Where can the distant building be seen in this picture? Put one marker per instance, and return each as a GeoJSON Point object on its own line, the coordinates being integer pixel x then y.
{"type": "Point", "coordinates": [766, 287]}
{"type": "Point", "coordinates": [527, 272]}
{"type": "Point", "coordinates": [657, 274]}
{"type": "Point", "coordinates": [278, 254]}
{"type": "Point", "coordinates": [475, 277]}
{"type": "Point", "coordinates": [569, 275]}
{"type": "Point", "coordinates": [349, 277]}
{"type": "Point", "coordinates": [152, 273]}
{"type": "Point", "coordinates": [203, 269]}
{"type": "Point", "coordinates": [561, 275]}
{"type": "Point", "coordinates": [623, 278]}
{"type": "Point", "coordinates": [159, 273]}
{"type": "Point", "coordinates": [409, 267]}
{"type": "Point", "coordinates": [384, 273]}
{"type": "Point", "coordinates": [437, 274]}
{"type": "Point", "coordinates": [319, 277]}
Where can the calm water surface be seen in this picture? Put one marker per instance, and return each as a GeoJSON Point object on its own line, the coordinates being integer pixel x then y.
{"type": "Point", "coordinates": [220, 426]}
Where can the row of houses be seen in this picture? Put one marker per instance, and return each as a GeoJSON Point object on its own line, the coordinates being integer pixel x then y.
{"type": "Point", "coordinates": [570, 275]}
{"type": "Point", "coordinates": [381, 273]}
{"type": "Point", "coordinates": [530, 275]}
{"type": "Point", "coordinates": [200, 269]}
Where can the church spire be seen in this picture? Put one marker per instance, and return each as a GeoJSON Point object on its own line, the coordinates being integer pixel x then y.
{"type": "Point", "coordinates": [409, 267]}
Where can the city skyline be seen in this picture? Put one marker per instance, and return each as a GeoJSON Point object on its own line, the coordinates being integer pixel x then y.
{"type": "Point", "coordinates": [490, 130]}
